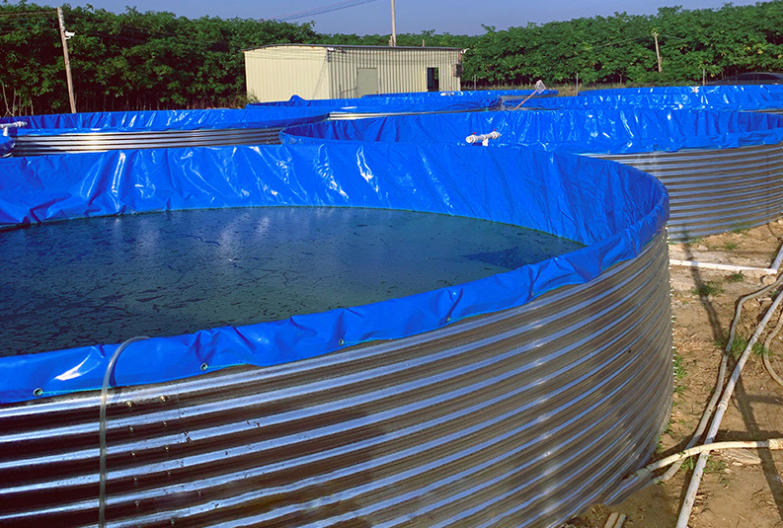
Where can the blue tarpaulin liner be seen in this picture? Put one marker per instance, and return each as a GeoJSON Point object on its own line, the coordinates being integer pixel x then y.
{"type": "Point", "coordinates": [479, 95]}
{"type": "Point", "coordinates": [710, 98]}
{"type": "Point", "coordinates": [613, 209]}
{"type": "Point", "coordinates": [388, 105]}
{"type": "Point", "coordinates": [6, 146]}
{"type": "Point", "coordinates": [742, 91]}
{"type": "Point", "coordinates": [623, 130]}
{"type": "Point", "coordinates": [164, 120]}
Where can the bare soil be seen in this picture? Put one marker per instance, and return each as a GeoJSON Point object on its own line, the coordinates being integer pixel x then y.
{"type": "Point", "coordinates": [740, 488]}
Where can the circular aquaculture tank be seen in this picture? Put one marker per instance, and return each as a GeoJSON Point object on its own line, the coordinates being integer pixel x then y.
{"type": "Point", "coordinates": [723, 170]}
{"type": "Point", "coordinates": [99, 132]}
{"type": "Point", "coordinates": [515, 398]}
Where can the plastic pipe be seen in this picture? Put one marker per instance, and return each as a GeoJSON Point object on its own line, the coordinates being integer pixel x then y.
{"type": "Point", "coordinates": [15, 124]}
{"type": "Point", "coordinates": [723, 267]}
{"type": "Point", "coordinates": [705, 419]}
{"type": "Point", "coordinates": [768, 347]}
{"type": "Point", "coordinates": [484, 138]}
{"type": "Point", "coordinates": [772, 270]}
{"type": "Point", "coordinates": [773, 443]}
{"type": "Point", "coordinates": [698, 471]}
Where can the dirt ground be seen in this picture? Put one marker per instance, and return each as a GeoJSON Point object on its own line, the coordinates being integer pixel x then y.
{"type": "Point", "coordinates": [740, 488]}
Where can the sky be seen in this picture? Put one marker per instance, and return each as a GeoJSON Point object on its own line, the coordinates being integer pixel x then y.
{"type": "Point", "coordinates": [457, 17]}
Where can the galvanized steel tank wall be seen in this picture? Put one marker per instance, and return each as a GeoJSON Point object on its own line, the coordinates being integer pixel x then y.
{"type": "Point", "coordinates": [40, 145]}
{"type": "Point", "coordinates": [715, 190]}
{"type": "Point", "coordinates": [518, 418]}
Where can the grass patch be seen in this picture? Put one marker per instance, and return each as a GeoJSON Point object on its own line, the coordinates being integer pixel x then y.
{"type": "Point", "coordinates": [735, 277]}
{"type": "Point", "coordinates": [689, 463]}
{"type": "Point", "coordinates": [738, 346]}
{"type": "Point", "coordinates": [760, 350]}
{"type": "Point", "coordinates": [740, 229]}
{"type": "Point", "coordinates": [714, 465]}
{"type": "Point", "coordinates": [730, 246]}
{"type": "Point", "coordinates": [708, 289]}
{"type": "Point", "coordinates": [679, 373]}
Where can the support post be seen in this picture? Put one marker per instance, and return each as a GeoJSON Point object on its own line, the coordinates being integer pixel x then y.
{"type": "Point", "coordinates": [657, 52]}
{"type": "Point", "coordinates": [67, 60]}
{"type": "Point", "coordinates": [393, 40]}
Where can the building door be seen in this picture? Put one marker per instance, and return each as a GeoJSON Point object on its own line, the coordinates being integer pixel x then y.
{"type": "Point", "coordinates": [366, 81]}
{"type": "Point", "coordinates": [433, 82]}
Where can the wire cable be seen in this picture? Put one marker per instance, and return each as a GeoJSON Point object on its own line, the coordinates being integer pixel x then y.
{"type": "Point", "coordinates": [322, 10]}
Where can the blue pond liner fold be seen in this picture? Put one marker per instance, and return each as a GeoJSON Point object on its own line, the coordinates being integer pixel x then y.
{"type": "Point", "coordinates": [614, 210]}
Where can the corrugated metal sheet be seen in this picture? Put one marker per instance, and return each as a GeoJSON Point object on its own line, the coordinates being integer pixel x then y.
{"type": "Point", "coordinates": [519, 418]}
{"type": "Point", "coordinates": [399, 70]}
{"type": "Point", "coordinates": [715, 190]}
{"type": "Point", "coordinates": [275, 73]}
{"type": "Point", "coordinates": [33, 145]}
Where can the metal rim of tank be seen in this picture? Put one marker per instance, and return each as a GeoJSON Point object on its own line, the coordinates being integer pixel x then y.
{"type": "Point", "coordinates": [74, 142]}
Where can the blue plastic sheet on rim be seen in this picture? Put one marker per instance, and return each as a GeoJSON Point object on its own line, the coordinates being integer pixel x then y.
{"type": "Point", "coordinates": [615, 131]}
{"type": "Point", "coordinates": [489, 95]}
{"type": "Point", "coordinates": [613, 209]}
{"type": "Point", "coordinates": [736, 98]}
{"type": "Point", "coordinates": [155, 120]}
{"type": "Point", "coordinates": [388, 105]}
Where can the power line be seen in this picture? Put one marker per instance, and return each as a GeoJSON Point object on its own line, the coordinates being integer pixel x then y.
{"type": "Point", "coordinates": [321, 10]}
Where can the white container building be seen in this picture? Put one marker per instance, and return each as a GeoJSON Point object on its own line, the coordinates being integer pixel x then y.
{"type": "Point", "coordinates": [316, 71]}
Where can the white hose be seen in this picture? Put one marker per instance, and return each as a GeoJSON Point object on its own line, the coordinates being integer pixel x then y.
{"type": "Point", "coordinates": [772, 270]}
{"type": "Point", "coordinates": [773, 444]}
{"type": "Point", "coordinates": [102, 428]}
{"type": "Point", "coordinates": [698, 471]}
{"type": "Point", "coordinates": [768, 347]}
{"type": "Point", "coordinates": [721, 377]}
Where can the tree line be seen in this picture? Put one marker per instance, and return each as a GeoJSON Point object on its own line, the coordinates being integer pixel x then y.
{"type": "Point", "coordinates": [157, 60]}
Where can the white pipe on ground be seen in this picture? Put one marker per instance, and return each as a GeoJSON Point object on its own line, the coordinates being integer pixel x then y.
{"type": "Point", "coordinates": [772, 270]}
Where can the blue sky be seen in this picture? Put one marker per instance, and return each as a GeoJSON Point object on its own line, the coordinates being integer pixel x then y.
{"type": "Point", "coordinates": [413, 16]}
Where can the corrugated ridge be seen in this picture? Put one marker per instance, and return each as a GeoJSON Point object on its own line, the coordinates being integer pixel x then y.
{"type": "Point", "coordinates": [715, 190]}
{"type": "Point", "coordinates": [32, 145]}
{"type": "Point", "coordinates": [448, 427]}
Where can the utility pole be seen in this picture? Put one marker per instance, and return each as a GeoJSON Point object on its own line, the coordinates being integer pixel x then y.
{"type": "Point", "coordinates": [393, 39]}
{"type": "Point", "coordinates": [64, 38]}
{"type": "Point", "coordinates": [657, 51]}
